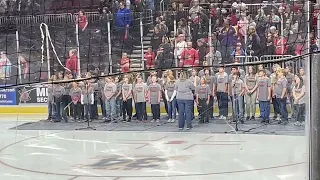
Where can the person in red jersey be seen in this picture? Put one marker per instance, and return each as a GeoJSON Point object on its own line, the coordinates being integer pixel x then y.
{"type": "Point", "coordinates": [72, 62]}
{"type": "Point", "coordinates": [24, 63]}
{"type": "Point", "coordinates": [280, 44]}
{"type": "Point", "coordinates": [82, 21]}
{"type": "Point", "coordinates": [150, 58]}
{"type": "Point", "coordinates": [125, 63]}
{"type": "Point", "coordinates": [189, 57]}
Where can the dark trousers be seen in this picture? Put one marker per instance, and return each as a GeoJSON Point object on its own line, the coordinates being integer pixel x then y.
{"type": "Point", "coordinates": [265, 110]}
{"type": "Point", "coordinates": [222, 98]}
{"type": "Point", "coordinates": [282, 102]}
{"type": "Point", "coordinates": [58, 110]}
{"type": "Point", "coordinates": [275, 106]}
{"type": "Point", "coordinates": [66, 100]}
{"type": "Point", "coordinates": [299, 112]}
{"type": "Point", "coordinates": [76, 110]}
{"type": "Point", "coordinates": [127, 109]}
{"type": "Point", "coordinates": [94, 107]}
{"type": "Point", "coordinates": [210, 107]}
{"type": "Point", "coordinates": [141, 111]}
{"type": "Point", "coordinates": [155, 109]}
{"type": "Point", "coordinates": [204, 110]}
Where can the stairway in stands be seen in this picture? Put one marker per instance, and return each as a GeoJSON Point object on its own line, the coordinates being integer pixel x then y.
{"type": "Point", "coordinates": [136, 56]}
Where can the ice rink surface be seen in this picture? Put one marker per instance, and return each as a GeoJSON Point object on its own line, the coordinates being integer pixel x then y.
{"type": "Point", "coordinates": [56, 151]}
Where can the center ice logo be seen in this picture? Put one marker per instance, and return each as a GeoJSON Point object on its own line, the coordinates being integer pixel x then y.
{"type": "Point", "coordinates": [24, 95]}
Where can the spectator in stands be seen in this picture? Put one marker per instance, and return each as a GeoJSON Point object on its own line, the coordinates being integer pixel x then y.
{"type": "Point", "coordinates": [25, 66]}
{"type": "Point", "coordinates": [214, 57]}
{"type": "Point", "coordinates": [242, 26]}
{"type": "Point", "coordinates": [189, 57]}
{"type": "Point", "coordinates": [253, 42]}
{"type": "Point", "coordinates": [238, 52]}
{"type": "Point", "coordinates": [125, 63]}
{"type": "Point", "coordinates": [183, 27]}
{"type": "Point", "coordinates": [122, 21]}
{"type": "Point", "coordinates": [104, 19]}
{"type": "Point", "coordinates": [181, 45]}
{"type": "Point", "coordinates": [274, 20]}
{"type": "Point", "coordinates": [228, 38]}
{"type": "Point", "coordinates": [156, 39]}
{"type": "Point", "coordinates": [195, 9]}
{"type": "Point", "coordinates": [268, 47]}
{"type": "Point", "coordinates": [82, 21]}
{"type": "Point", "coordinates": [185, 100]}
{"type": "Point", "coordinates": [72, 62]}
{"type": "Point", "coordinates": [202, 50]}
{"type": "Point", "coordinates": [281, 46]}
{"type": "Point", "coordinates": [5, 66]}
{"type": "Point", "coordinates": [164, 58]}
{"type": "Point", "coordinates": [150, 56]}
{"type": "Point", "coordinates": [299, 44]}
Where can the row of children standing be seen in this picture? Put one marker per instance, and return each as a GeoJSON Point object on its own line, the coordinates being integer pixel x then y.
{"type": "Point", "coordinates": [116, 97]}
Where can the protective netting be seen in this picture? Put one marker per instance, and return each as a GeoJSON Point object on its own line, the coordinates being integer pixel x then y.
{"type": "Point", "coordinates": [67, 41]}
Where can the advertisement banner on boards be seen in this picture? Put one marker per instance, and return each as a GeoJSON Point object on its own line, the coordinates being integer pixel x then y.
{"type": "Point", "coordinates": [33, 94]}
{"type": "Point", "coordinates": [8, 96]}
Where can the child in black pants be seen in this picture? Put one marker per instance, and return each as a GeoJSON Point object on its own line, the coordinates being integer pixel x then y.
{"type": "Point", "coordinates": [203, 98]}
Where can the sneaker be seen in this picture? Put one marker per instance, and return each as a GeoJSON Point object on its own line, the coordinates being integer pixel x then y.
{"type": "Point", "coordinates": [252, 118]}
{"type": "Point", "coordinates": [157, 121]}
{"type": "Point", "coordinates": [223, 118]}
{"type": "Point", "coordinates": [152, 121]}
{"type": "Point", "coordinates": [278, 118]}
{"type": "Point", "coordinates": [172, 120]}
{"type": "Point", "coordinates": [302, 123]}
{"type": "Point", "coordinates": [169, 120]}
{"type": "Point", "coordinates": [180, 128]}
{"type": "Point", "coordinates": [248, 118]}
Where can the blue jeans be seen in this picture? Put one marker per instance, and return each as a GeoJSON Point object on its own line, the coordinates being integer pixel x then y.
{"type": "Point", "coordinates": [172, 109]}
{"type": "Point", "coordinates": [238, 109]}
{"type": "Point", "coordinates": [119, 104]}
{"type": "Point", "coordinates": [87, 111]}
{"type": "Point", "coordinates": [110, 108]}
{"type": "Point", "coordinates": [222, 98]}
{"type": "Point", "coordinates": [51, 110]}
{"type": "Point", "coordinates": [265, 110]}
{"type": "Point", "coordinates": [185, 112]}
{"type": "Point", "coordinates": [282, 102]}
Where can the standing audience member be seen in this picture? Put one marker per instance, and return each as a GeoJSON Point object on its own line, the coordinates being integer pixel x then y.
{"type": "Point", "coordinates": [189, 57]}
{"type": "Point", "coordinates": [125, 63]}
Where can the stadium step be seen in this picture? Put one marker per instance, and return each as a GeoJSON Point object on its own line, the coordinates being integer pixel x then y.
{"type": "Point", "coordinates": [137, 51]}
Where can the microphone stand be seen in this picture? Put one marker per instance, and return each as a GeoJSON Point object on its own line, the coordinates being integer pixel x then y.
{"type": "Point", "coordinates": [234, 115]}
{"type": "Point", "coordinates": [88, 113]}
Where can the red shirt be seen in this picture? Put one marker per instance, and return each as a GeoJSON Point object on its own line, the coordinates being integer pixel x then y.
{"type": "Point", "coordinates": [82, 21]}
{"type": "Point", "coordinates": [72, 63]}
{"type": "Point", "coordinates": [125, 65]}
{"type": "Point", "coordinates": [315, 17]}
{"type": "Point", "coordinates": [281, 48]}
{"type": "Point", "coordinates": [189, 57]}
{"type": "Point", "coordinates": [25, 68]}
{"type": "Point", "coordinates": [150, 59]}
